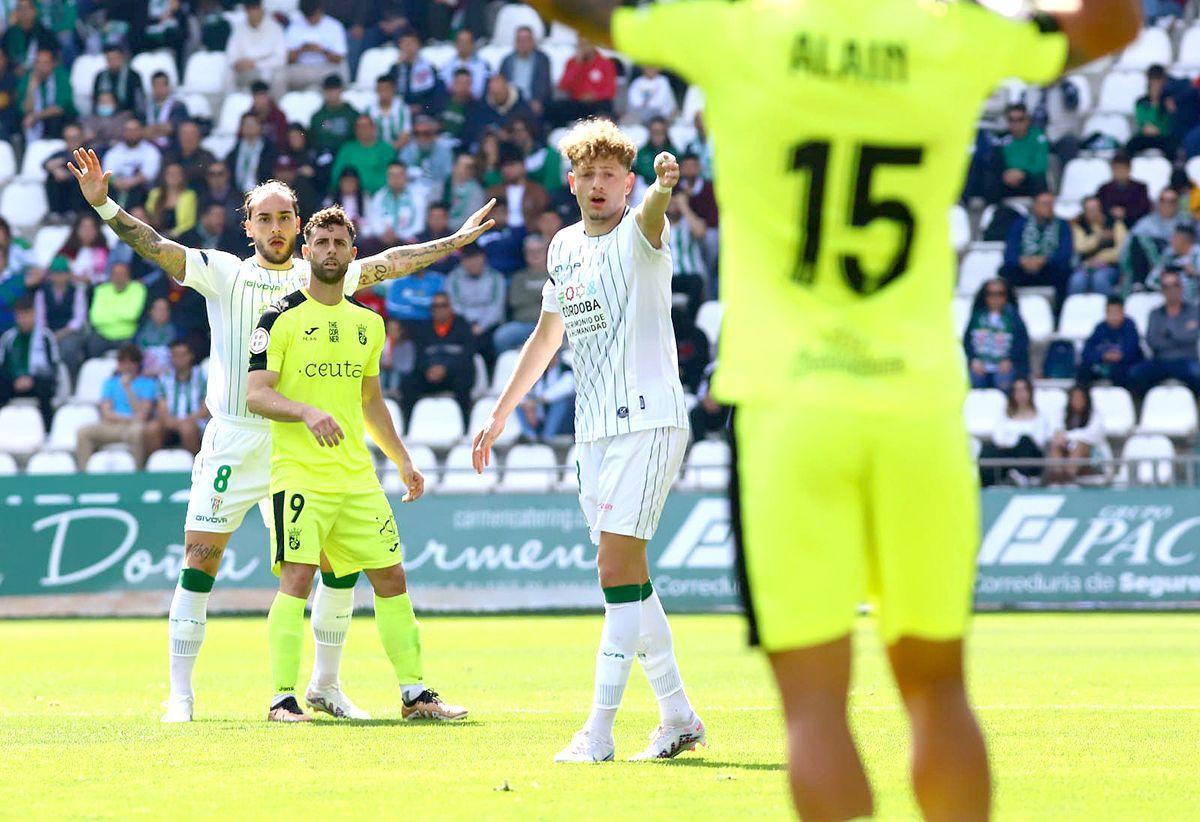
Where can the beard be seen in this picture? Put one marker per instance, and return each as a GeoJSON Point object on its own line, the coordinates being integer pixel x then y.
{"type": "Point", "coordinates": [276, 257]}
{"type": "Point", "coordinates": [329, 276]}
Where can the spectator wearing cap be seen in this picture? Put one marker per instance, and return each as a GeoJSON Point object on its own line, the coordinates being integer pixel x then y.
{"type": "Point", "coordinates": [126, 405]}
{"type": "Point", "coordinates": [61, 305]}
{"type": "Point", "coordinates": [502, 245]}
{"type": "Point", "coordinates": [366, 154]}
{"type": "Point", "coordinates": [330, 127]}
{"type": "Point", "coordinates": [428, 156]}
{"type": "Point", "coordinates": [1182, 257]}
{"type": "Point", "coordinates": [123, 82]}
{"type": "Point", "coordinates": [395, 213]}
{"type": "Point", "coordinates": [1097, 239]}
{"type": "Point", "coordinates": [589, 83]}
{"type": "Point", "coordinates": [1172, 335]}
{"type": "Point", "coordinates": [181, 413]}
{"type": "Point", "coordinates": [164, 110]}
{"type": "Point", "coordinates": [252, 157]}
{"type": "Point", "coordinates": [25, 35]}
{"type": "Point", "coordinates": [457, 109]}
{"type": "Point", "coordinates": [134, 163]}
{"type": "Point", "coordinates": [477, 293]}
{"type": "Point", "coordinates": [307, 195]}
{"type": "Point", "coordinates": [29, 360]}
{"type": "Point", "coordinates": [658, 141]}
{"type": "Point", "coordinates": [1024, 154]}
{"type": "Point", "coordinates": [1151, 235]}
{"type": "Point", "coordinates": [316, 46]}
{"type": "Point", "coordinates": [445, 358]}
{"type": "Point", "coordinates": [1113, 348]}
{"type": "Point", "coordinates": [214, 231]}
{"type": "Point", "coordinates": [524, 297]}
{"type": "Point", "coordinates": [46, 100]}
{"type": "Point", "coordinates": [1123, 197]}
{"type": "Point", "coordinates": [116, 309]}
{"type": "Point", "coordinates": [1153, 115]}
{"type": "Point", "coordinates": [256, 50]}
{"type": "Point", "coordinates": [63, 197]}
{"type": "Point", "coordinates": [650, 96]}
{"type": "Point", "coordinates": [1038, 249]}
{"type": "Point", "coordinates": [500, 105]}
{"type": "Point", "coordinates": [188, 152]}
{"type": "Point", "coordinates": [392, 117]}
{"type": "Point", "coordinates": [462, 192]}
{"type": "Point", "coordinates": [466, 58]}
{"type": "Point", "coordinates": [416, 79]}
{"type": "Point", "coordinates": [527, 69]}
{"type": "Point", "coordinates": [525, 198]}
{"type": "Point", "coordinates": [274, 121]}
{"type": "Point", "coordinates": [996, 342]}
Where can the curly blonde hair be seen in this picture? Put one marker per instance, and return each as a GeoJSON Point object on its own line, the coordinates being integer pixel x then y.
{"type": "Point", "coordinates": [597, 139]}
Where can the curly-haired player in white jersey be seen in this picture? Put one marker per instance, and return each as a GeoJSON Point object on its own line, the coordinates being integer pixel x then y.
{"type": "Point", "coordinates": [232, 471]}
{"type": "Point", "coordinates": [610, 291]}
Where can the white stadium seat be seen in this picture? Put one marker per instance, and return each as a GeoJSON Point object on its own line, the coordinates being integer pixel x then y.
{"type": "Point", "coordinates": [1038, 316]}
{"type": "Point", "coordinates": [206, 72]}
{"type": "Point", "coordinates": [84, 70]}
{"type": "Point", "coordinates": [708, 320]}
{"type": "Point", "coordinates": [436, 422]}
{"type": "Point", "coordinates": [1155, 172]}
{"type": "Point", "coordinates": [460, 476]}
{"type": "Point", "coordinates": [693, 104]}
{"type": "Point", "coordinates": [708, 466]}
{"type": "Point", "coordinates": [1138, 307]}
{"type": "Point", "coordinates": [21, 429]}
{"type": "Point", "coordinates": [480, 388]}
{"type": "Point", "coordinates": [37, 153]}
{"type": "Point", "coordinates": [960, 310]}
{"type": "Point", "coordinates": [48, 241]}
{"type": "Point", "coordinates": [438, 54]}
{"type": "Point", "coordinates": [960, 227]}
{"type": "Point", "coordinates": [1116, 409]}
{"type": "Point", "coordinates": [1192, 167]}
{"type": "Point", "coordinates": [219, 144]}
{"type": "Point", "coordinates": [1152, 46]}
{"type": "Point", "coordinates": [92, 375]}
{"type": "Point", "coordinates": [529, 469]}
{"type": "Point", "coordinates": [425, 461]}
{"type": "Point", "coordinates": [8, 465]}
{"type": "Point", "coordinates": [8, 162]}
{"type": "Point", "coordinates": [1080, 314]}
{"type": "Point", "coordinates": [197, 105]}
{"type": "Point", "coordinates": [111, 462]}
{"type": "Point", "coordinates": [1120, 91]}
{"type": "Point", "coordinates": [374, 62]}
{"type": "Point", "coordinates": [1169, 410]}
{"type": "Point", "coordinates": [493, 54]}
{"type": "Point", "coordinates": [1152, 454]}
{"type": "Point", "coordinates": [361, 99]}
{"type": "Point", "coordinates": [479, 417]}
{"type": "Point", "coordinates": [300, 106]}
{"type": "Point", "coordinates": [393, 408]}
{"type": "Point", "coordinates": [559, 54]}
{"type": "Point", "coordinates": [1081, 177]}
{"type": "Point", "coordinates": [570, 473]}
{"type": "Point", "coordinates": [67, 422]}
{"type": "Point", "coordinates": [682, 135]}
{"type": "Point", "coordinates": [1189, 52]}
{"type": "Point", "coordinates": [506, 363]}
{"type": "Point", "coordinates": [982, 409]}
{"type": "Point", "coordinates": [236, 104]}
{"type": "Point", "coordinates": [561, 33]}
{"type": "Point", "coordinates": [977, 267]}
{"type": "Point", "coordinates": [510, 18]}
{"type": "Point", "coordinates": [636, 132]}
{"type": "Point", "coordinates": [170, 460]}
{"type": "Point", "coordinates": [1114, 125]}
{"type": "Point", "coordinates": [1051, 403]}
{"type": "Point", "coordinates": [976, 446]}
{"type": "Point", "coordinates": [51, 462]}
{"type": "Point", "coordinates": [149, 63]}
{"type": "Point", "coordinates": [23, 204]}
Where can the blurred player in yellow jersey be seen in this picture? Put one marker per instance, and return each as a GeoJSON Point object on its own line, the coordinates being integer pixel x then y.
{"type": "Point", "coordinates": [841, 131]}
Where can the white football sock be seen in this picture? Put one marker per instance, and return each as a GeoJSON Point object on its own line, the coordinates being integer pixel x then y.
{"type": "Point", "coordinates": [657, 655]}
{"type": "Point", "coordinates": [618, 644]}
{"type": "Point", "coordinates": [185, 630]}
{"type": "Point", "coordinates": [331, 613]}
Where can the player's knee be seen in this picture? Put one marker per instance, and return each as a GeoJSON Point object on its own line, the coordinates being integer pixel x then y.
{"type": "Point", "coordinates": [296, 579]}
{"type": "Point", "coordinates": [928, 671]}
{"type": "Point", "coordinates": [389, 582]}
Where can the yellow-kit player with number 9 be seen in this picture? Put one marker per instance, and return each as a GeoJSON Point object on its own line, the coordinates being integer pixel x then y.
{"type": "Point", "coordinates": [314, 372]}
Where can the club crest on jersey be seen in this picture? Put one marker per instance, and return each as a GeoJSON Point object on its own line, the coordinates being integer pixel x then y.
{"type": "Point", "coordinates": [622, 412]}
{"type": "Point", "coordinates": [362, 334]}
{"type": "Point", "coordinates": [294, 539]}
{"type": "Point", "coordinates": [333, 331]}
{"type": "Point", "coordinates": [259, 340]}
{"type": "Point", "coordinates": [216, 503]}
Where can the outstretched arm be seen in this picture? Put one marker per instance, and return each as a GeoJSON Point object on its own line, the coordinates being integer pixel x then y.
{"type": "Point", "coordinates": [590, 18]}
{"type": "Point", "coordinates": [405, 259]}
{"type": "Point", "coordinates": [151, 246]}
{"type": "Point", "coordinates": [651, 215]}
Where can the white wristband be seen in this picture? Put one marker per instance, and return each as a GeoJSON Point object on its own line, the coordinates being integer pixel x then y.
{"type": "Point", "coordinates": [662, 189]}
{"type": "Point", "coordinates": [107, 210]}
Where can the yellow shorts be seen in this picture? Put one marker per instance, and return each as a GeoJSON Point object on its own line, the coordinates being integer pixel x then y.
{"type": "Point", "coordinates": [355, 530]}
{"type": "Point", "coordinates": [838, 506]}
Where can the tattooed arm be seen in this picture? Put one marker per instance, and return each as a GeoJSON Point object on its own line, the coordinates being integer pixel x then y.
{"type": "Point", "coordinates": [405, 259]}
{"type": "Point", "coordinates": [151, 246]}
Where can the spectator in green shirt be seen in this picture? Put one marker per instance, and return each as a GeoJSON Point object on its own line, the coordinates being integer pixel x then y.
{"type": "Point", "coordinates": [1153, 115]}
{"type": "Point", "coordinates": [330, 127]}
{"type": "Point", "coordinates": [44, 95]}
{"type": "Point", "coordinates": [1025, 153]}
{"type": "Point", "coordinates": [116, 310]}
{"type": "Point", "coordinates": [29, 361]}
{"type": "Point", "coordinates": [366, 154]}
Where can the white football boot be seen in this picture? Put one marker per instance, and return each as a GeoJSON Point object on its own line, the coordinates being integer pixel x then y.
{"type": "Point", "coordinates": [332, 701]}
{"type": "Point", "coordinates": [668, 742]}
{"type": "Point", "coordinates": [179, 708]}
{"type": "Point", "coordinates": [585, 749]}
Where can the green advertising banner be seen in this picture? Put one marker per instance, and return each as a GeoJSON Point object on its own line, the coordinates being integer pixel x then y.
{"type": "Point", "coordinates": [97, 544]}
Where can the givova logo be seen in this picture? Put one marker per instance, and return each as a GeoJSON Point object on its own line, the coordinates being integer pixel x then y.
{"type": "Point", "coordinates": [705, 540]}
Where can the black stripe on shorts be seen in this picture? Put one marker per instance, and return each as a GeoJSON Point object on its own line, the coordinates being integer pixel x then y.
{"type": "Point", "coordinates": [739, 540]}
{"type": "Point", "coordinates": [277, 507]}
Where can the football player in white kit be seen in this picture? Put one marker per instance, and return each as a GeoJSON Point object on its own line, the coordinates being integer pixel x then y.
{"type": "Point", "coordinates": [231, 473]}
{"type": "Point", "coordinates": [609, 289]}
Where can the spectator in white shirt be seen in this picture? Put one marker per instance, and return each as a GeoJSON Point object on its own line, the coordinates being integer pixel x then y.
{"type": "Point", "coordinates": [396, 213]}
{"type": "Point", "coordinates": [466, 58]}
{"type": "Point", "coordinates": [1080, 438]}
{"type": "Point", "coordinates": [316, 47]}
{"type": "Point", "coordinates": [1022, 433]}
{"type": "Point", "coordinates": [134, 163]}
{"type": "Point", "coordinates": [393, 119]}
{"type": "Point", "coordinates": [256, 50]}
{"type": "Point", "coordinates": [650, 96]}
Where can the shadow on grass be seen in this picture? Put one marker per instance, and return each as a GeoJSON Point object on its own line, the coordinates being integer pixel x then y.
{"type": "Point", "coordinates": [686, 762]}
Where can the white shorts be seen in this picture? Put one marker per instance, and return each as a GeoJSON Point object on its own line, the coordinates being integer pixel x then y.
{"type": "Point", "coordinates": [624, 480]}
{"type": "Point", "coordinates": [231, 474]}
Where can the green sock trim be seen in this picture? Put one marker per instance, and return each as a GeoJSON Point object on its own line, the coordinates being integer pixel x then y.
{"type": "Point", "coordinates": [331, 580]}
{"type": "Point", "coordinates": [623, 593]}
{"type": "Point", "coordinates": [193, 579]}
{"type": "Point", "coordinates": [647, 589]}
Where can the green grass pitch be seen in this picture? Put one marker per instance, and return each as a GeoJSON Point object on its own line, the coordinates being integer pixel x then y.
{"type": "Point", "coordinates": [1089, 717]}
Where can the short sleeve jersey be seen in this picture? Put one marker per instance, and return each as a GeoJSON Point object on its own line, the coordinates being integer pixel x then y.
{"type": "Point", "coordinates": [237, 292]}
{"type": "Point", "coordinates": [614, 294]}
{"type": "Point", "coordinates": [321, 353]}
{"type": "Point", "coordinates": [842, 133]}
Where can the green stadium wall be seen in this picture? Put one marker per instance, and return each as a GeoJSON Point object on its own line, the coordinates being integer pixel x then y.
{"type": "Point", "coordinates": [112, 545]}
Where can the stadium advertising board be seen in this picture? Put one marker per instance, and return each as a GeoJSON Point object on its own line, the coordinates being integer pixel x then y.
{"type": "Point", "coordinates": [113, 544]}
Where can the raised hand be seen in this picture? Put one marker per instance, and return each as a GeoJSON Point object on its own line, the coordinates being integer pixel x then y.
{"type": "Point", "coordinates": [475, 225]}
{"type": "Point", "coordinates": [667, 169]}
{"type": "Point", "coordinates": [92, 179]}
